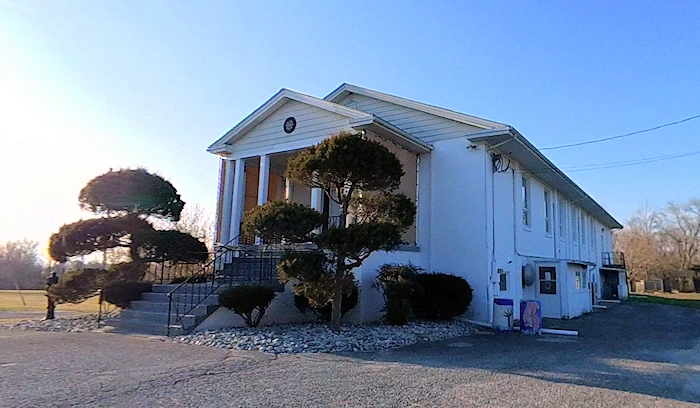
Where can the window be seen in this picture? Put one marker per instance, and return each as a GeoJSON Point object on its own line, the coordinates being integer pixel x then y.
{"type": "Point", "coordinates": [574, 225]}
{"type": "Point", "coordinates": [548, 280]}
{"type": "Point", "coordinates": [547, 212]}
{"type": "Point", "coordinates": [584, 227]}
{"type": "Point", "coordinates": [526, 201]}
{"type": "Point", "coordinates": [592, 230]}
{"type": "Point", "coordinates": [502, 280]}
{"type": "Point", "coordinates": [580, 279]}
{"type": "Point", "coordinates": [562, 219]}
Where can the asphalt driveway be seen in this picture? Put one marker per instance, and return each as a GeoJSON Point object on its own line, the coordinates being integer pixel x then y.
{"type": "Point", "coordinates": [632, 355]}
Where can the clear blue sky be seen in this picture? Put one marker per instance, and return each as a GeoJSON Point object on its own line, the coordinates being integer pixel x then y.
{"type": "Point", "coordinates": [89, 85]}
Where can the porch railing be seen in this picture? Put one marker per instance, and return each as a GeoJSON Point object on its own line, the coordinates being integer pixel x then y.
{"type": "Point", "coordinates": [614, 259]}
{"type": "Point", "coordinates": [231, 265]}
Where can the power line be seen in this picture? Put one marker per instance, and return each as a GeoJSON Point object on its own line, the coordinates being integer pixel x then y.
{"type": "Point", "coordinates": [611, 165]}
{"type": "Point", "coordinates": [631, 162]}
{"type": "Point", "coordinates": [605, 139]}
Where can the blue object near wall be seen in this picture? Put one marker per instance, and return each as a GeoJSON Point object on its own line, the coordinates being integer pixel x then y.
{"type": "Point", "coordinates": [530, 317]}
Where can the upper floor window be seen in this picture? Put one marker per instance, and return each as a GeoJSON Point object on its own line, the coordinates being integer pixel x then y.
{"type": "Point", "coordinates": [562, 219]}
{"type": "Point", "coordinates": [526, 202]}
{"type": "Point", "coordinates": [574, 224]}
{"type": "Point", "coordinates": [547, 211]}
{"type": "Point", "coordinates": [584, 228]}
{"type": "Point", "coordinates": [592, 233]}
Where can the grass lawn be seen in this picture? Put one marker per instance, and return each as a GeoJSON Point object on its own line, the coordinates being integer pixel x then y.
{"type": "Point", "coordinates": [691, 300]}
{"type": "Point", "coordinates": [11, 301]}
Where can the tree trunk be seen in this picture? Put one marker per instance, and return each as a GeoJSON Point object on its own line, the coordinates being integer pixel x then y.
{"type": "Point", "coordinates": [337, 302]}
{"type": "Point", "coordinates": [339, 275]}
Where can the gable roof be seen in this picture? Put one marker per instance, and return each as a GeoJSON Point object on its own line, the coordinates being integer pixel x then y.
{"type": "Point", "coordinates": [346, 89]}
{"type": "Point", "coordinates": [274, 103]}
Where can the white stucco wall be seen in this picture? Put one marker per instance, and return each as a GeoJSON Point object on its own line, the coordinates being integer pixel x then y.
{"type": "Point", "coordinates": [458, 218]}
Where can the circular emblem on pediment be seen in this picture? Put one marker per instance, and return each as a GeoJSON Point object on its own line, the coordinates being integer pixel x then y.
{"type": "Point", "coordinates": [290, 124]}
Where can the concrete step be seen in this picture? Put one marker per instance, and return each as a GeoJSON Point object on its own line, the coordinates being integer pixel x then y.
{"type": "Point", "coordinates": [162, 307]}
{"type": "Point", "coordinates": [186, 288]}
{"type": "Point", "coordinates": [182, 298]}
{"type": "Point", "coordinates": [188, 320]}
{"type": "Point", "coordinates": [128, 326]}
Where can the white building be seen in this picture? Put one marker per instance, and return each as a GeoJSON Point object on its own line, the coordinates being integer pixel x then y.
{"type": "Point", "coordinates": [490, 205]}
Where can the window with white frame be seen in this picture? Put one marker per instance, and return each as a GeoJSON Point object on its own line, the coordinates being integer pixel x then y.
{"type": "Point", "coordinates": [526, 202]}
{"type": "Point", "coordinates": [547, 212]}
{"type": "Point", "coordinates": [581, 279]}
{"type": "Point", "coordinates": [578, 278]}
{"type": "Point", "coordinates": [562, 219]}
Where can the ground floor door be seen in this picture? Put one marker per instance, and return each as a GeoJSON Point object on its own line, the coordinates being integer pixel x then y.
{"type": "Point", "coordinates": [610, 284]}
{"type": "Point", "coordinates": [549, 291]}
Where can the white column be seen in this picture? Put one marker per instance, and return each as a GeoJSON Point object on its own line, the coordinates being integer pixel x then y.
{"type": "Point", "coordinates": [317, 199]}
{"type": "Point", "coordinates": [227, 200]}
{"type": "Point", "coordinates": [263, 185]}
{"type": "Point", "coordinates": [287, 189]}
{"type": "Point", "coordinates": [238, 199]}
{"type": "Point", "coordinates": [264, 180]}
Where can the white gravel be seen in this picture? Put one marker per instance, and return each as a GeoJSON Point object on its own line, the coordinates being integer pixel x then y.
{"type": "Point", "coordinates": [62, 324]}
{"type": "Point", "coordinates": [320, 338]}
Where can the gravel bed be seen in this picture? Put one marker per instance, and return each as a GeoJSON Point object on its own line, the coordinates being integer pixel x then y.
{"type": "Point", "coordinates": [320, 338]}
{"type": "Point", "coordinates": [61, 324]}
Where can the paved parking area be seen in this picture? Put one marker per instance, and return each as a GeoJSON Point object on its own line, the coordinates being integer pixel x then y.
{"type": "Point", "coordinates": [631, 355]}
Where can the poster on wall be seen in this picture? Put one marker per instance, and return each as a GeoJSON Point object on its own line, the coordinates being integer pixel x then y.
{"type": "Point", "coordinates": [530, 317]}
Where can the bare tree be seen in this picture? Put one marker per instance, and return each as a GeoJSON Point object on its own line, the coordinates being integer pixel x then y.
{"type": "Point", "coordinates": [639, 241]}
{"type": "Point", "coordinates": [681, 232]}
{"type": "Point", "coordinates": [20, 267]}
{"type": "Point", "coordinates": [195, 221]}
{"type": "Point", "coordinates": [657, 243]}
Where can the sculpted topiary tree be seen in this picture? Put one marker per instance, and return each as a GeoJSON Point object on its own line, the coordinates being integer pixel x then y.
{"type": "Point", "coordinates": [126, 202]}
{"type": "Point", "coordinates": [359, 175]}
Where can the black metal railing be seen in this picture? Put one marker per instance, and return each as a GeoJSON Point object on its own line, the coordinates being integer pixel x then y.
{"type": "Point", "coordinates": [231, 265]}
{"type": "Point", "coordinates": [172, 272]}
{"type": "Point", "coordinates": [614, 259]}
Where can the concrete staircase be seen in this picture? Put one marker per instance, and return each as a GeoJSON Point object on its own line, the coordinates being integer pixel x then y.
{"type": "Point", "coordinates": [150, 314]}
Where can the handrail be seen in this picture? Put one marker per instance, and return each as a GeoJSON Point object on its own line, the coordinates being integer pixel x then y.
{"type": "Point", "coordinates": [220, 252]}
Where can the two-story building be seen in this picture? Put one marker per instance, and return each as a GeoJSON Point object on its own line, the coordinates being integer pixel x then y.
{"type": "Point", "coordinates": [491, 207]}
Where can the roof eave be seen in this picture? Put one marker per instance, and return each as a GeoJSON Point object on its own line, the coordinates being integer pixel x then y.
{"type": "Point", "coordinates": [346, 88]}
{"type": "Point", "coordinates": [499, 136]}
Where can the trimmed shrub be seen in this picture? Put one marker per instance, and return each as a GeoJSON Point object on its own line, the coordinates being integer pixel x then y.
{"type": "Point", "coordinates": [250, 302]}
{"type": "Point", "coordinates": [324, 312]}
{"type": "Point", "coordinates": [396, 283]}
{"type": "Point", "coordinates": [439, 296]}
{"type": "Point", "coordinates": [122, 293]}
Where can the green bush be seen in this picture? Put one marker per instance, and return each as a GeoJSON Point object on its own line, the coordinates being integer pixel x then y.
{"type": "Point", "coordinates": [439, 296]}
{"type": "Point", "coordinates": [396, 283]}
{"type": "Point", "coordinates": [250, 302]}
{"type": "Point", "coordinates": [122, 293]}
{"type": "Point", "coordinates": [324, 312]}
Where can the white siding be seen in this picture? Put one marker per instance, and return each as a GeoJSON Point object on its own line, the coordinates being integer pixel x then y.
{"type": "Point", "coordinates": [422, 125]}
{"type": "Point", "coordinates": [312, 123]}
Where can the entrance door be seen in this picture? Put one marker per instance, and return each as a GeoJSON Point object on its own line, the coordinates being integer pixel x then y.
{"type": "Point", "coordinates": [611, 282]}
{"type": "Point", "coordinates": [549, 292]}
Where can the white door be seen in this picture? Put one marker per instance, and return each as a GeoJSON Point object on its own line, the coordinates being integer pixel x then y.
{"type": "Point", "coordinates": [549, 291]}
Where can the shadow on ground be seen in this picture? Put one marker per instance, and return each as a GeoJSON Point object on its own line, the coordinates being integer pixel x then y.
{"type": "Point", "coordinates": [639, 348]}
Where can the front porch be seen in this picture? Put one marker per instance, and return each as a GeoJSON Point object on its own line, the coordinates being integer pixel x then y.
{"type": "Point", "coordinates": [249, 182]}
